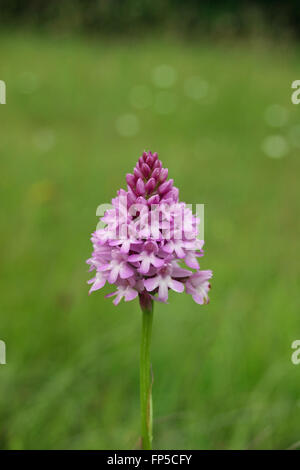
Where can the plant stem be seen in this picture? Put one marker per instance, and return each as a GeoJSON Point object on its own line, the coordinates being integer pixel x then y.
{"type": "Point", "coordinates": [145, 377]}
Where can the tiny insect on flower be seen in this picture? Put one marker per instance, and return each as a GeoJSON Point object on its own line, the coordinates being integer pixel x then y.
{"type": "Point", "coordinates": [143, 240]}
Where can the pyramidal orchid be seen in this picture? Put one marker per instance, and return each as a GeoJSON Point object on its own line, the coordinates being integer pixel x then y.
{"type": "Point", "coordinates": [146, 245]}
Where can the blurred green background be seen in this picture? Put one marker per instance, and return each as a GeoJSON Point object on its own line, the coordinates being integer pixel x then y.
{"type": "Point", "coordinates": [80, 110]}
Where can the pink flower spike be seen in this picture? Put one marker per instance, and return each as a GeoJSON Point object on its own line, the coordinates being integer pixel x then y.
{"type": "Point", "coordinates": [142, 240]}
{"type": "Point", "coordinates": [143, 245]}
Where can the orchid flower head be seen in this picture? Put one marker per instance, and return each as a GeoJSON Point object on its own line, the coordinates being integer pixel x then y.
{"type": "Point", "coordinates": [149, 244]}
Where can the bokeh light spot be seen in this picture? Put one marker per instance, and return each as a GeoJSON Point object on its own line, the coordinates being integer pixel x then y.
{"type": "Point", "coordinates": [44, 140]}
{"type": "Point", "coordinates": [164, 76]}
{"type": "Point", "coordinates": [275, 146]}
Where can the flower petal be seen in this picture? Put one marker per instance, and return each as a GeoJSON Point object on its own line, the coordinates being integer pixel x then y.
{"type": "Point", "coordinates": [198, 298]}
{"type": "Point", "coordinates": [145, 265]}
{"type": "Point", "coordinates": [151, 283]}
{"type": "Point", "coordinates": [130, 294]}
{"type": "Point", "coordinates": [113, 275]}
{"type": "Point", "coordinates": [157, 262]}
{"type": "Point", "coordinates": [163, 290]}
{"type": "Point", "coordinates": [176, 285]}
{"type": "Point", "coordinates": [125, 271]}
{"type": "Point", "coordinates": [191, 261]}
{"type": "Point", "coordinates": [134, 258]}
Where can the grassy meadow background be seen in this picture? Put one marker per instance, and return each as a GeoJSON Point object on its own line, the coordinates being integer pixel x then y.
{"type": "Point", "coordinates": [74, 124]}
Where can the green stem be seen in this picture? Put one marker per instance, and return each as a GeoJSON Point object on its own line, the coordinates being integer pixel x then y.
{"type": "Point", "coordinates": [145, 376]}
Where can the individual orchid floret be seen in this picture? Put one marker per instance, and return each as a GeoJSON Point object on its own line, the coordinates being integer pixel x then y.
{"type": "Point", "coordinates": [148, 257]}
{"type": "Point", "coordinates": [98, 281]}
{"type": "Point", "coordinates": [118, 267]}
{"type": "Point", "coordinates": [162, 282]}
{"type": "Point", "coordinates": [198, 286]}
{"type": "Point", "coordinates": [127, 290]}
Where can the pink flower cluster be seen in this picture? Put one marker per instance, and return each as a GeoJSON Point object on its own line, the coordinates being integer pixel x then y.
{"type": "Point", "coordinates": [146, 237]}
